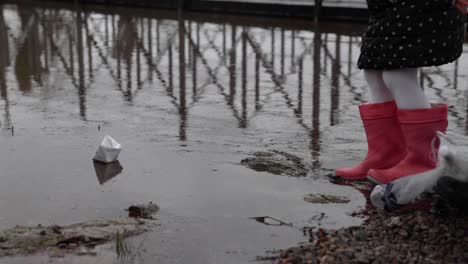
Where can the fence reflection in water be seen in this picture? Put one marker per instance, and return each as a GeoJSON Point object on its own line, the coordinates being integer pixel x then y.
{"type": "Point", "coordinates": [247, 62]}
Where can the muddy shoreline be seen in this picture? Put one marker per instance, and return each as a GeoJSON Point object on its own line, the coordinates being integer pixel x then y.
{"type": "Point", "coordinates": [427, 232]}
{"type": "Point", "coordinates": [80, 238]}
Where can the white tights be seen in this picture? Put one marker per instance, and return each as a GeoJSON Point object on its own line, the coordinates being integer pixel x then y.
{"type": "Point", "coordinates": [400, 85]}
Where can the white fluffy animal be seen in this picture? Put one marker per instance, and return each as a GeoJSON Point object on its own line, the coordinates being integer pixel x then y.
{"type": "Point", "coordinates": [452, 161]}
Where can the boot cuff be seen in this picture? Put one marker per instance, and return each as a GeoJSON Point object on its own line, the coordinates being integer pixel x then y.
{"type": "Point", "coordinates": [378, 111]}
{"type": "Point", "coordinates": [438, 112]}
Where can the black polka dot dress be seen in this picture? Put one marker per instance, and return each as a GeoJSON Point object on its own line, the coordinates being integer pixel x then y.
{"type": "Point", "coordinates": [411, 34]}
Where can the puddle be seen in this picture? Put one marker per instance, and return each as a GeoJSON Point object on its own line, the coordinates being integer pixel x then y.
{"type": "Point", "coordinates": [189, 98]}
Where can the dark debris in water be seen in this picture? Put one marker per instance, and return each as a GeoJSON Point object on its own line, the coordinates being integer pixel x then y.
{"type": "Point", "coordinates": [143, 211]}
{"type": "Point", "coordinates": [277, 162]}
{"type": "Point", "coordinates": [271, 221]}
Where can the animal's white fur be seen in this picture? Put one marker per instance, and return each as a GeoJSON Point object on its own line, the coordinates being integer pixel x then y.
{"type": "Point", "coordinates": [452, 162]}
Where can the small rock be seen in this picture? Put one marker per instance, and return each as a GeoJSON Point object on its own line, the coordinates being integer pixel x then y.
{"type": "Point", "coordinates": [403, 233]}
{"type": "Point", "coordinates": [348, 253]}
{"type": "Point", "coordinates": [424, 227]}
{"type": "Point", "coordinates": [361, 258]}
{"type": "Point", "coordinates": [394, 222]}
{"type": "Point", "coordinates": [361, 235]}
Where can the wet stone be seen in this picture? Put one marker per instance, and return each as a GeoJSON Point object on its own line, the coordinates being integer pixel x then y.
{"type": "Point", "coordinates": [325, 198]}
{"type": "Point", "coordinates": [277, 162]}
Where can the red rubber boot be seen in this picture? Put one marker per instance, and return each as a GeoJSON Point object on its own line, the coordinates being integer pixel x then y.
{"type": "Point", "coordinates": [385, 143]}
{"type": "Point", "coordinates": [419, 128]}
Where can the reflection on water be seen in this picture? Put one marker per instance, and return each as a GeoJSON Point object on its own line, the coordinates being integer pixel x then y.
{"type": "Point", "coordinates": [4, 63]}
{"type": "Point", "coordinates": [246, 62]}
{"type": "Point", "coordinates": [106, 171]}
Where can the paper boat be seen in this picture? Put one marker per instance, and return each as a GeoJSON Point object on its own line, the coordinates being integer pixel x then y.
{"type": "Point", "coordinates": [106, 171]}
{"type": "Point", "coordinates": [108, 150]}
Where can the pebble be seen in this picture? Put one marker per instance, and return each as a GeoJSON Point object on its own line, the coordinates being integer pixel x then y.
{"type": "Point", "coordinates": [394, 222]}
{"type": "Point", "coordinates": [403, 233]}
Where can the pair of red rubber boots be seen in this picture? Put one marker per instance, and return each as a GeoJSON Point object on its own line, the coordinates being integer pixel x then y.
{"type": "Point", "coordinates": [399, 141]}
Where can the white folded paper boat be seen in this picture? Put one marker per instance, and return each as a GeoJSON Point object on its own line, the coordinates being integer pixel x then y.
{"type": "Point", "coordinates": [108, 150]}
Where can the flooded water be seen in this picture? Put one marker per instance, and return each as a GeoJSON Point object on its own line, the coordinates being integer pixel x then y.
{"type": "Point", "coordinates": [188, 96]}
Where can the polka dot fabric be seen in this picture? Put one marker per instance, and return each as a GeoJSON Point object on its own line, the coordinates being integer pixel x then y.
{"type": "Point", "coordinates": [411, 34]}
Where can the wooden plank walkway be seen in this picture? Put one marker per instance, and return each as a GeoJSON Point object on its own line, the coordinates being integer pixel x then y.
{"type": "Point", "coordinates": [338, 10]}
{"type": "Point", "coordinates": [275, 2]}
{"type": "Point", "coordinates": [325, 3]}
{"type": "Point", "coordinates": [335, 10]}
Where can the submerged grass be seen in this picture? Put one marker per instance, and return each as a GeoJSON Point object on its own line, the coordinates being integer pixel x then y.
{"type": "Point", "coordinates": [121, 247]}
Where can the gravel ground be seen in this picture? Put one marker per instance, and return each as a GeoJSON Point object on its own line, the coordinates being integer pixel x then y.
{"type": "Point", "coordinates": [429, 232]}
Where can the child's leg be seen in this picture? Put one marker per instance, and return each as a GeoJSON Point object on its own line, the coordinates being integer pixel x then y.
{"type": "Point", "coordinates": [404, 86]}
{"type": "Point", "coordinates": [419, 124]}
{"type": "Point", "coordinates": [378, 91]}
{"type": "Point", "coordinates": [384, 138]}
